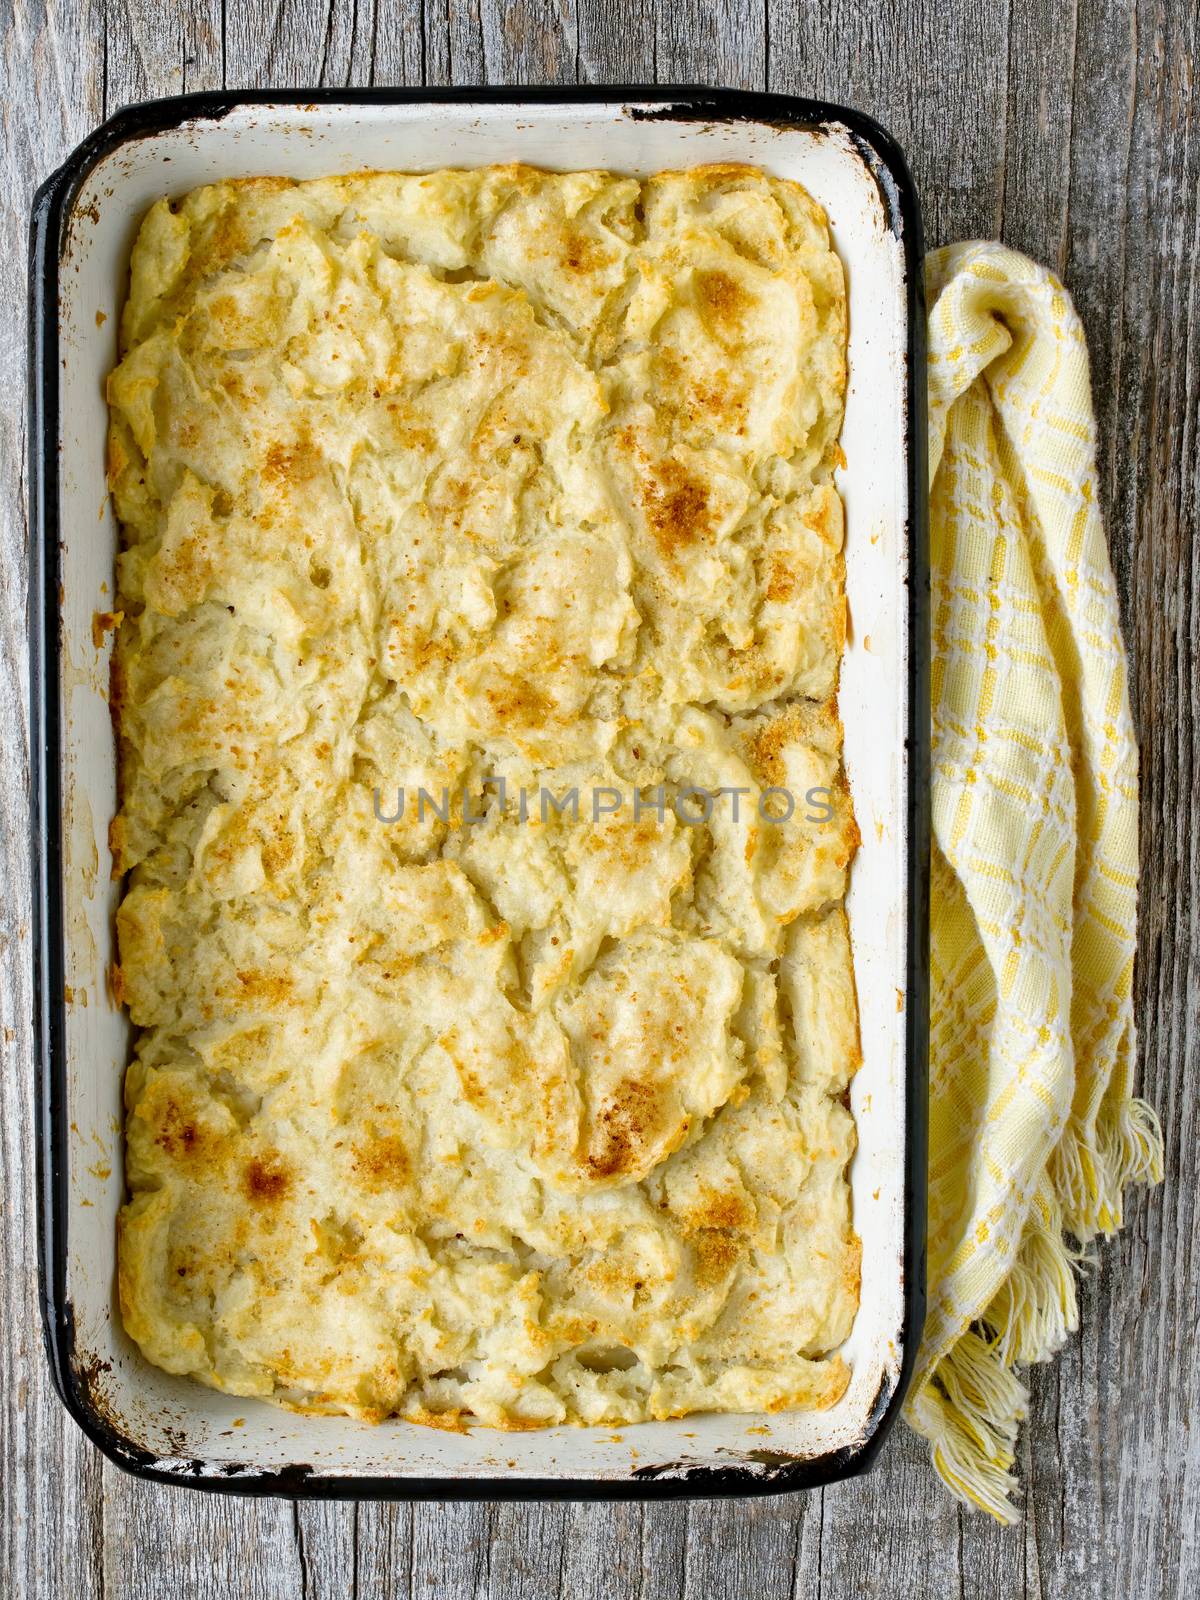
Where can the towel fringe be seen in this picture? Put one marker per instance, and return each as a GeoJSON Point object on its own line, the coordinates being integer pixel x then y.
{"type": "Point", "coordinates": [1090, 1169]}
{"type": "Point", "coordinates": [970, 1410]}
{"type": "Point", "coordinates": [1139, 1138]}
{"type": "Point", "coordinates": [971, 1407]}
{"type": "Point", "coordinates": [1036, 1308]}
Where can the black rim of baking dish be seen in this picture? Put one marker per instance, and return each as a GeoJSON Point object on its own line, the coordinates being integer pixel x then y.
{"type": "Point", "coordinates": [75, 1383]}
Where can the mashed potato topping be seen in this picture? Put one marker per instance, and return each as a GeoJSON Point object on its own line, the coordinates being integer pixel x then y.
{"type": "Point", "coordinates": [486, 484]}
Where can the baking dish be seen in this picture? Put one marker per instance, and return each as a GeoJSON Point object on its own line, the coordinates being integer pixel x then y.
{"type": "Point", "coordinates": [84, 220]}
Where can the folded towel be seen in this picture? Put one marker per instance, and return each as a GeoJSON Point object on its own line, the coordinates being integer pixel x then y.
{"type": "Point", "coordinates": [1034, 1131]}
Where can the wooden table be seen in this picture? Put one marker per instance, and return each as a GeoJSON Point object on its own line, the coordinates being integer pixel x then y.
{"type": "Point", "coordinates": [1072, 131]}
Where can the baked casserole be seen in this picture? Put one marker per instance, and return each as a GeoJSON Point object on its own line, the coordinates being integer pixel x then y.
{"type": "Point", "coordinates": [480, 611]}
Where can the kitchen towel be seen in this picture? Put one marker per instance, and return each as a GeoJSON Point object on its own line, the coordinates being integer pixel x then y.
{"type": "Point", "coordinates": [1034, 1130]}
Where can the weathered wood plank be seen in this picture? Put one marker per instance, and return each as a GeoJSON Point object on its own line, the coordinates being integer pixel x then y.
{"type": "Point", "coordinates": [454, 42]}
{"type": "Point", "coordinates": [533, 43]}
{"type": "Point", "coordinates": [525, 1545]}
{"type": "Point", "coordinates": [50, 1478]}
{"type": "Point", "coordinates": [1036, 175]}
{"type": "Point", "coordinates": [617, 41]}
{"type": "Point", "coordinates": [746, 1547]}
{"type": "Point", "coordinates": [159, 1541]}
{"type": "Point", "coordinates": [324, 1539]}
{"type": "Point", "coordinates": [450, 1554]}
{"type": "Point", "coordinates": [1126, 1390]}
{"type": "Point", "coordinates": [297, 43]}
{"type": "Point", "coordinates": [159, 48]}
{"type": "Point", "coordinates": [401, 47]}
{"type": "Point", "coordinates": [712, 41]}
{"type": "Point", "coordinates": [603, 1554]}
{"type": "Point", "coordinates": [664, 1552]}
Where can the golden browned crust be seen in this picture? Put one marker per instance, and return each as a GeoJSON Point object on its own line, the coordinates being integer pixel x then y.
{"type": "Point", "coordinates": [428, 482]}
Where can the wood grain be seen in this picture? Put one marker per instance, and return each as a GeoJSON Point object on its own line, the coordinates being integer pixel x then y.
{"type": "Point", "coordinates": [1070, 130]}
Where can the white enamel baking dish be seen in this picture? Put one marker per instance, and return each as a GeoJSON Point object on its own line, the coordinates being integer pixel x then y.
{"type": "Point", "coordinates": [84, 222]}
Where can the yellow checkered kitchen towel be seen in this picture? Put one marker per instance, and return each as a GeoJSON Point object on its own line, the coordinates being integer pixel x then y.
{"type": "Point", "coordinates": [1033, 1128]}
